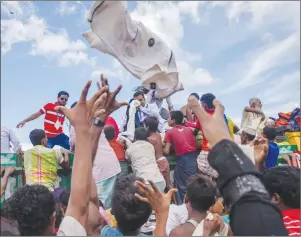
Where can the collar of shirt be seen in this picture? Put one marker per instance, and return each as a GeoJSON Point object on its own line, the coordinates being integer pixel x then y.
{"type": "Point", "coordinates": [293, 213]}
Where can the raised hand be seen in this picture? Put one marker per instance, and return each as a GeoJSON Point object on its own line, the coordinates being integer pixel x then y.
{"type": "Point", "coordinates": [111, 103]}
{"type": "Point", "coordinates": [214, 127]}
{"type": "Point", "coordinates": [85, 110]}
{"type": "Point", "coordinates": [159, 202]}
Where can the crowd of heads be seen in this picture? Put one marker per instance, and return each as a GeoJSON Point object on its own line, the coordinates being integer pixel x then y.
{"type": "Point", "coordinates": [35, 210]}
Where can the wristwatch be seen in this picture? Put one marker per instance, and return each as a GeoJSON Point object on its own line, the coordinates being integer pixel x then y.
{"type": "Point", "coordinates": [98, 123]}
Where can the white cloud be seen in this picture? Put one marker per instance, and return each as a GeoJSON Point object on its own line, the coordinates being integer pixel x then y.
{"type": "Point", "coordinates": [52, 45]}
{"type": "Point", "coordinates": [17, 9]}
{"type": "Point", "coordinates": [193, 76]}
{"type": "Point", "coordinates": [67, 8]}
{"type": "Point", "coordinates": [262, 13]}
{"type": "Point", "coordinates": [272, 55]}
{"type": "Point", "coordinates": [285, 88]}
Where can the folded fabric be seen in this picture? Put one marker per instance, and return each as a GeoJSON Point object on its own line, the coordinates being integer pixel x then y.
{"type": "Point", "coordinates": [138, 49]}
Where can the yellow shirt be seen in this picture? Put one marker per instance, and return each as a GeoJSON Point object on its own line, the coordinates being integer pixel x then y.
{"type": "Point", "coordinates": [41, 164]}
{"type": "Point", "coordinates": [231, 126]}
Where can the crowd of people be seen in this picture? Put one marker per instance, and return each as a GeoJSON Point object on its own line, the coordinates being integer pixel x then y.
{"type": "Point", "coordinates": [122, 182]}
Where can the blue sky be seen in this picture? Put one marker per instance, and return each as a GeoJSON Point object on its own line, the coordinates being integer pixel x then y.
{"type": "Point", "coordinates": [235, 50]}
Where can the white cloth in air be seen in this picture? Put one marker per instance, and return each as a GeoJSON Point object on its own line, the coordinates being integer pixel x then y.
{"type": "Point", "coordinates": [138, 49]}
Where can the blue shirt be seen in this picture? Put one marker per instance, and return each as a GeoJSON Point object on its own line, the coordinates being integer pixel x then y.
{"type": "Point", "coordinates": [272, 156]}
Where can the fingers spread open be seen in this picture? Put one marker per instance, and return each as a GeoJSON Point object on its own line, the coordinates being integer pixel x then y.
{"type": "Point", "coordinates": [98, 94]}
{"type": "Point", "coordinates": [85, 91]}
{"type": "Point", "coordinates": [100, 102]}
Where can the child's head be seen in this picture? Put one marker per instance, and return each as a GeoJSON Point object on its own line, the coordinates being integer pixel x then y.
{"type": "Point", "coordinates": [109, 132]}
{"type": "Point", "coordinates": [151, 124]}
{"type": "Point", "coordinates": [175, 118]}
{"type": "Point", "coordinates": [269, 133]}
{"type": "Point", "coordinates": [201, 193]}
{"type": "Point", "coordinates": [140, 134]}
{"type": "Point", "coordinates": [130, 212]}
{"type": "Point", "coordinates": [38, 137]}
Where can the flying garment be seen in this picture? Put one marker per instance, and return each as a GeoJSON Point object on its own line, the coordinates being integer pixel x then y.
{"type": "Point", "coordinates": [138, 49]}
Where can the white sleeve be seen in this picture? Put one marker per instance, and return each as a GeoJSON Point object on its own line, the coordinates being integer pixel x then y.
{"type": "Point", "coordinates": [71, 227]}
{"type": "Point", "coordinates": [168, 101]}
{"type": "Point", "coordinates": [14, 140]}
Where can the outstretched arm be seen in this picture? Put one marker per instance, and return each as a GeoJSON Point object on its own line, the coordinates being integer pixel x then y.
{"type": "Point", "coordinates": [30, 118]}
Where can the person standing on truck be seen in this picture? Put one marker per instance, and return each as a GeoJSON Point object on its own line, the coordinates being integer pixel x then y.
{"type": "Point", "coordinates": [53, 121]}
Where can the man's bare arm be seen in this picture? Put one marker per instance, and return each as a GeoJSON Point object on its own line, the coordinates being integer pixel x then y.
{"type": "Point", "coordinates": [30, 118]}
{"type": "Point", "coordinates": [166, 149]}
{"type": "Point", "coordinates": [254, 110]}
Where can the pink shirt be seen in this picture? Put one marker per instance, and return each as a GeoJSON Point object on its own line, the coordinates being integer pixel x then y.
{"type": "Point", "coordinates": [106, 164]}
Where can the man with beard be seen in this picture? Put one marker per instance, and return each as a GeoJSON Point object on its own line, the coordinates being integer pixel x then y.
{"type": "Point", "coordinates": [53, 121]}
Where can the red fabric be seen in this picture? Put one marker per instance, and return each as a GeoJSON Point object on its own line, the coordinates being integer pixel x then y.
{"type": "Point", "coordinates": [118, 148]}
{"type": "Point", "coordinates": [182, 139]}
{"type": "Point", "coordinates": [190, 124]}
{"type": "Point", "coordinates": [51, 117]}
{"type": "Point", "coordinates": [204, 144]}
{"type": "Point", "coordinates": [291, 221]}
{"type": "Point", "coordinates": [56, 230]}
{"type": "Point", "coordinates": [111, 122]}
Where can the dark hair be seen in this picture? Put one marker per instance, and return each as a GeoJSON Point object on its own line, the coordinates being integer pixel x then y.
{"type": "Point", "coordinates": [32, 207]}
{"type": "Point", "coordinates": [270, 133]}
{"type": "Point", "coordinates": [138, 93]}
{"type": "Point", "coordinates": [178, 116]}
{"type": "Point", "coordinates": [73, 105]}
{"type": "Point", "coordinates": [62, 93]}
{"type": "Point", "coordinates": [208, 99]}
{"type": "Point", "coordinates": [195, 95]}
{"type": "Point", "coordinates": [152, 123]}
{"type": "Point", "coordinates": [109, 132]}
{"type": "Point", "coordinates": [129, 211]}
{"type": "Point", "coordinates": [59, 214]}
{"type": "Point", "coordinates": [250, 137]}
{"type": "Point", "coordinates": [140, 134]}
{"type": "Point", "coordinates": [201, 193]}
{"type": "Point", "coordinates": [284, 181]}
{"type": "Point", "coordinates": [36, 136]}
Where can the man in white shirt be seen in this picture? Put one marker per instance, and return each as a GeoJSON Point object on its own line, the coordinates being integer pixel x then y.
{"type": "Point", "coordinates": [8, 137]}
{"type": "Point", "coordinates": [141, 155]}
{"type": "Point", "coordinates": [253, 116]}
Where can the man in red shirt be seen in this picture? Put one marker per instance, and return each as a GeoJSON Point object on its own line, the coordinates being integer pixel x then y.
{"type": "Point", "coordinates": [283, 184]}
{"type": "Point", "coordinates": [184, 143]}
{"type": "Point", "coordinates": [53, 121]}
{"type": "Point", "coordinates": [203, 166]}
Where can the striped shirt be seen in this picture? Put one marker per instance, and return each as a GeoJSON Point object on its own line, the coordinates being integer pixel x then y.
{"type": "Point", "coordinates": [51, 118]}
{"type": "Point", "coordinates": [291, 221]}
